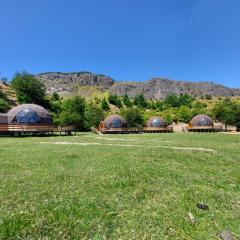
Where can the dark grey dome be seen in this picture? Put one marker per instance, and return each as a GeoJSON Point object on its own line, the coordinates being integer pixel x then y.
{"type": "Point", "coordinates": [201, 120]}
{"type": "Point", "coordinates": [29, 114]}
{"type": "Point", "coordinates": [114, 121]}
{"type": "Point", "coordinates": [156, 122]}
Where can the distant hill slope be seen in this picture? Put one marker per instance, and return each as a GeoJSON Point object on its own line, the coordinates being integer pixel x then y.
{"type": "Point", "coordinates": [156, 88]}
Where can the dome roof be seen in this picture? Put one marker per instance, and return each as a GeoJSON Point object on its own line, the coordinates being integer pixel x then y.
{"type": "Point", "coordinates": [114, 121]}
{"type": "Point", "coordinates": [201, 120]}
{"type": "Point", "coordinates": [29, 113]}
{"type": "Point", "coordinates": [156, 122]}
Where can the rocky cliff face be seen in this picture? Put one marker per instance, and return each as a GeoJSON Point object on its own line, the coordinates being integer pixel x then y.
{"type": "Point", "coordinates": [156, 88]}
{"type": "Point", "coordinates": [69, 82]}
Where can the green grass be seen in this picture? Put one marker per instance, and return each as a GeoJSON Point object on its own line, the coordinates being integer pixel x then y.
{"type": "Point", "coordinates": [144, 190]}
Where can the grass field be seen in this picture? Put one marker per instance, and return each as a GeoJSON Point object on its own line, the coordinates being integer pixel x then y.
{"type": "Point", "coordinates": [119, 186]}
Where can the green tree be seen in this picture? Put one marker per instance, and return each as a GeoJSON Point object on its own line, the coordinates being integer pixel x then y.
{"type": "Point", "coordinates": [4, 106]}
{"type": "Point", "coordinates": [3, 95]}
{"type": "Point", "coordinates": [184, 114]}
{"type": "Point", "coordinates": [126, 101]}
{"type": "Point", "coordinates": [208, 97]}
{"type": "Point", "coordinates": [93, 116]}
{"type": "Point", "coordinates": [73, 112]}
{"type": "Point", "coordinates": [172, 100]}
{"type": "Point", "coordinates": [227, 112]}
{"type": "Point", "coordinates": [169, 116]}
{"type": "Point", "coordinates": [4, 102]}
{"type": "Point", "coordinates": [185, 100]}
{"type": "Point", "coordinates": [140, 101]}
{"type": "Point", "coordinates": [104, 105]}
{"type": "Point", "coordinates": [28, 89]}
{"type": "Point", "coordinates": [113, 99]}
{"type": "Point", "coordinates": [133, 117]}
{"type": "Point", "coordinates": [152, 105]}
{"type": "Point", "coordinates": [159, 105]}
{"type": "Point", "coordinates": [55, 97]}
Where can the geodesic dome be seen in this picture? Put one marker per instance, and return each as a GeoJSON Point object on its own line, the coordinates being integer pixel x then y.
{"type": "Point", "coordinates": [201, 120]}
{"type": "Point", "coordinates": [156, 122]}
{"type": "Point", "coordinates": [114, 121]}
{"type": "Point", "coordinates": [29, 114]}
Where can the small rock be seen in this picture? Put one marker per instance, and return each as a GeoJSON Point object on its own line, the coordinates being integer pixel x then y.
{"type": "Point", "coordinates": [202, 206]}
{"type": "Point", "coordinates": [226, 235]}
{"type": "Point", "coordinates": [191, 217]}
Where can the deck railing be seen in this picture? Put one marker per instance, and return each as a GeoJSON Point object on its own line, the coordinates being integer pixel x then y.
{"type": "Point", "coordinates": [120, 130]}
{"type": "Point", "coordinates": [35, 128]}
{"type": "Point", "coordinates": [136, 130]}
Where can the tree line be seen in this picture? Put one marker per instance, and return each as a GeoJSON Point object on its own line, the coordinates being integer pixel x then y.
{"type": "Point", "coordinates": [136, 111]}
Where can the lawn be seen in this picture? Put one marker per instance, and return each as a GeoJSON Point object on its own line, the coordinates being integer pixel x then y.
{"type": "Point", "coordinates": [119, 186]}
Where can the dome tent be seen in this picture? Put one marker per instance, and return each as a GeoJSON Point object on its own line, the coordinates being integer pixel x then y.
{"type": "Point", "coordinates": [201, 123]}
{"type": "Point", "coordinates": [114, 121]}
{"type": "Point", "coordinates": [156, 122]}
{"type": "Point", "coordinates": [114, 124]}
{"type": "Point", "coordinates": [201, 120]}
{"type": "Point", "coordinates": [29, 114]}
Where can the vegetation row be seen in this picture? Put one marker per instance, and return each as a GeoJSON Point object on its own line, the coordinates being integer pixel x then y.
{"type": "Point", "coordinates": [86, 114]}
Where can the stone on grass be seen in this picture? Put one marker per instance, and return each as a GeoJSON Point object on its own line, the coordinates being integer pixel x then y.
{"type": "Point", "coordinates": [226, 235]}
{"type": "Point", "coordinates": [192, 218]}
{"type": "Point", "coordinates": [202, 206]}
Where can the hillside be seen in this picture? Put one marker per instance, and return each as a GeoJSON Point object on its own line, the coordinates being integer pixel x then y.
{"type": "Point", "coordinates": [71, 82]}
{"type": "Point", "coordinates": [156, 88]}
{"type": "Point", "coordinates": [10, 93]}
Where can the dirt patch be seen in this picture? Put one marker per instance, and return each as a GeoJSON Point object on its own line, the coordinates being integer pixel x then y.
{"type": "Point", "coordinates": [131, 145]}
{"type": "Point", "coordinates": [230, 133]}
{"type": "Point", "coordinates": [88, 144]}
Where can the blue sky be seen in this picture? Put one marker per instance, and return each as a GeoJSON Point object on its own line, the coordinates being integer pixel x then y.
{"type": "Point", "coordinates": [195, 40]}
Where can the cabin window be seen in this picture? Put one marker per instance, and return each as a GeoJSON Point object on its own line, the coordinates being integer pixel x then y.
{"type": "Point", "coordinates": [116, 123]}
{"type": "Point", "coordinates": [27, 116]}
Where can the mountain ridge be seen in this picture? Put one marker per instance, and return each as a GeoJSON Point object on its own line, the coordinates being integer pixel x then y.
{"type": "Point", "coordinates": [155, 88]}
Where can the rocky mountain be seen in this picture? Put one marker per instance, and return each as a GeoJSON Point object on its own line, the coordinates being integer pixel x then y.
{"type": "Point", "coordinates": [70, 82]}
{"type": "Point", "coordinates": [156, 88]}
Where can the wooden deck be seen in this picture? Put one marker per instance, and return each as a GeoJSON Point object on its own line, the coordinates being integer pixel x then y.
{"type": "Point", "coordinates": [35, 129]}
{"type": "Point", "coordinates": [167, 129]}
{"type": "Point", "coordinates": [135, 130]}
{"type": "Point", "coordinates": [120, 130]}
{"type": "Point", "coordinates": [204, 128]}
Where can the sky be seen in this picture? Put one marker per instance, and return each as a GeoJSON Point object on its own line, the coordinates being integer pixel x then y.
{"type": "Point", "coordinates": [128, 40]}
